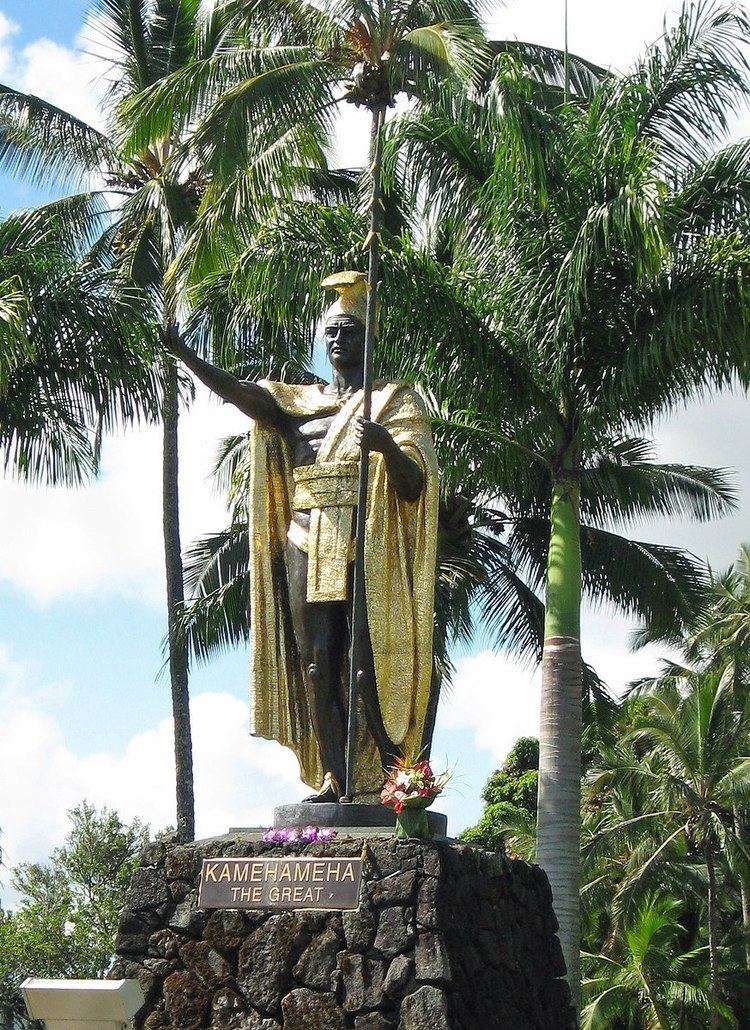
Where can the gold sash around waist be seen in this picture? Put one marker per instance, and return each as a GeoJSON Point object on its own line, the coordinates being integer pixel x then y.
{"type": "Point", "coordinates": [325, 484]}
{"type": "Point", "coordinates": [328, 490]}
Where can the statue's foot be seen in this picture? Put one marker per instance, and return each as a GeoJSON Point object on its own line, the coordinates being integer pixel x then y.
{"type": "Point", "coordinates": [329, 796]}
{"type": "Point", "coordinates": [329, 793]}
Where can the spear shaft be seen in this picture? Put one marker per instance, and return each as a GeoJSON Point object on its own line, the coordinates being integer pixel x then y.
{"type": "Point", "coordinates": [358, 630]}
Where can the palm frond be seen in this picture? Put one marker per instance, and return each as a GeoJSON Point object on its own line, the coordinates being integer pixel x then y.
{"type": "Point", "coordinates": [121, 40]}
{"type": "Point", "coordinates": [618, 488]}
{"type": "Point", "coordinates": [172, 34]}
{"type": "Point", "coordinates": [691, 81]}
{"type": "Point", "coordinates": [46, 145]}
{"type": "Point", "coordinates": [238, 100]}
{"type": "Point", "coordinates": [549, 67]}
{"type": "Point", "coordinates": [216, 618]}
{"type": "Point", "coordinates": [425, 56]}
{"type": "Point", "coordinates": [661, 585]}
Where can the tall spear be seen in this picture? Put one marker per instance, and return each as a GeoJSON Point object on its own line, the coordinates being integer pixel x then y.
{"type": "Point", "coordinates": [358, 626]}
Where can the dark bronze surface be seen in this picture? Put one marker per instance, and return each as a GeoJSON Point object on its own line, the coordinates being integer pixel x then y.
{"type": "Point", "coordinates": [350, 817]}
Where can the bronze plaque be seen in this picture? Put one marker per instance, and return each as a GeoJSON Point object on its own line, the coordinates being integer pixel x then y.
{"type": "Point", "coordinates": [281, 883]}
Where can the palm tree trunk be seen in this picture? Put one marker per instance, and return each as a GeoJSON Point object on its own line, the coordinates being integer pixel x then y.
{"type": "Point", "coordinates": [178, 664]}
{"type": "Point", "coordinates": [559, 817]}
{"type": "Point", "coordinates": [713, 935]}
{"type": "Point", "coordinates": [738, 813]}
{"type": "Point", "coordinates": [745, 899]}
{"type": "Point", "coordinates": [739, 829]}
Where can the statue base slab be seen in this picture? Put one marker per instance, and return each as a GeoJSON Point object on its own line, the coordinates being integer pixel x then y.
{"type": "Point", "coordinates": [351, 816]}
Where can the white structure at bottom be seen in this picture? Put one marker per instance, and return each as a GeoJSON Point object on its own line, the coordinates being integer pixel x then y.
{"type": "Point", "coordinates": [82, 1004]}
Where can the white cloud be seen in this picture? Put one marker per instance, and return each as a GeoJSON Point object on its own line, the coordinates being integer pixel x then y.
{"type": "Point", "coordinates": [105, 538]}
{"type": "Point", "coordinates": [239, 779]}
{"type": "Point", "coordinates": [64, 76]}
{"type": "Point", "coordinates": [496, 699]}
{"type": "Point", "coordinates": [493, 697]}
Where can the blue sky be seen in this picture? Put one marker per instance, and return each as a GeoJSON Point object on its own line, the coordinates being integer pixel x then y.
{"type": "Point", "coordinates": [81, 616]}
{"type": "Point", "coordinates": [59, 21]}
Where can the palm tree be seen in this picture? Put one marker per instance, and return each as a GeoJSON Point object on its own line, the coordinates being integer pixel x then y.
{"type": "Point", "coordinates": [313, 56]}
{"type": "Point", "coordinates": [85, 361]}
{"type": "Point", "coordinates": [608, 241]}
{"type": "Point", "coordinates": [722, 630]}
{"type": "Point", "coordinates": [380, 50]}
{"type": "Point", "coordinates": [647, 979]}
{"type": "Point", "coordinates": [718, 640]}
{"type": "Point", "coordinates": [137, 220]}
{"type": "Point", "coordinates": [134, 220]}
{"type": "Point", "coordinates": [693, 766]}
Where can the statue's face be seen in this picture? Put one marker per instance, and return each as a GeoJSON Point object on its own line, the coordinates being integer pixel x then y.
{"type": "Point", "coordinates": [345, 342]}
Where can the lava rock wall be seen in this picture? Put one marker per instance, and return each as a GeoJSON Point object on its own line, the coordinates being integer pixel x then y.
{"type": "Point", "coordinates": [446, 937]}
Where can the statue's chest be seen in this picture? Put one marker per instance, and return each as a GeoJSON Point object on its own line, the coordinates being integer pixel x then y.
{"type": "Point", "coordinates": [307, 437]}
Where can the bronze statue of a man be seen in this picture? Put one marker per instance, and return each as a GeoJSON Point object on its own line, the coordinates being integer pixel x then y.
{"type": "Point", "coordinates": [305, 446]}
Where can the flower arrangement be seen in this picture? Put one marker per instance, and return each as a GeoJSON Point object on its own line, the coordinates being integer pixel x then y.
{"type": "Point", "coordinates": [410, 787]}
{"type": "Point", "coordinates": [291, 835]}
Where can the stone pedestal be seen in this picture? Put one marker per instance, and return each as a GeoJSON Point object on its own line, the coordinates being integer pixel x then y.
{"type": "Point", "coordinates": [446, 937]}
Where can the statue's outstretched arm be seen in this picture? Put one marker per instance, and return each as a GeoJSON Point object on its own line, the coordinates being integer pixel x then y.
{"type": "Point", "coordinates": [250, 398]}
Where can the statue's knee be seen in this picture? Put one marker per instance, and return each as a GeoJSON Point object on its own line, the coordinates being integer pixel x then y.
{"type": "Point", "coordinates": [317, 663]}
{"type": "Point", "coordinates": [318, 678]}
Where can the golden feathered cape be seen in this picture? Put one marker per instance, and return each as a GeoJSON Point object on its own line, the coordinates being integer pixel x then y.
{"type": "Point", "coordinates": [400, 555]}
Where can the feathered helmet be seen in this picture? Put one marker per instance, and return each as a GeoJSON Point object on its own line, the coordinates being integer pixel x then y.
{"type": "Point", "coordinates": [352, 295]}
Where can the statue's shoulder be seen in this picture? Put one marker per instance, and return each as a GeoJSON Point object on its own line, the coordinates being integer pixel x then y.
{"type": "Point", "coordinates": [403, 396]}
{"type": "Point", "coordinates": [297, 398]}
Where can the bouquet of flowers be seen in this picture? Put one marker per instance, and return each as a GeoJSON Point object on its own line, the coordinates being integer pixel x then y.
{"type": "Point", "coordinates": [410, 787]}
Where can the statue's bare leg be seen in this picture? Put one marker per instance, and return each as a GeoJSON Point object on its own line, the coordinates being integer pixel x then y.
{"type": "Point", "coordinates": [320, 632]}
{"type": "Point", "coordinates": [368, 690]}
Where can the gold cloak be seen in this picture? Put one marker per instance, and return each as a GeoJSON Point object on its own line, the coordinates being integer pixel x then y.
{"type": "Point", "coordinates": [400, 556]}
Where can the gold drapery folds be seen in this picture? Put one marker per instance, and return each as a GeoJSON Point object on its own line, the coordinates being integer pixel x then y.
{"type": "Point", "coordinates": [400, 555]}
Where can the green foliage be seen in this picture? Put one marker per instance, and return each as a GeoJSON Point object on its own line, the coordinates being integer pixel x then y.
{"type": "Point", "coordinates": [510, 797]}
{"type": "Point", "coordinates": [518, 790]}
{"type": "Point", "coordinates": [490, 831]}
{"type": "Point", "coordinates": [665, 860]}
{"type": "Point", "coordinates": [666, 794]}
{"type": "Point", "coordinates": [86, 363]}
{"type": "Point", "coordinates": [648, 979]}
{"type": "Point", "coordinates": [522, 757]}
{"type": "Point", "coordinates": [66, 921]}
{"type": "Point", "coordinates": [615, 287]}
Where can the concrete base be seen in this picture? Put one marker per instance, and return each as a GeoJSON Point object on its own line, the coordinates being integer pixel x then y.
{"type": "Point", "coordinates": [346, 816]}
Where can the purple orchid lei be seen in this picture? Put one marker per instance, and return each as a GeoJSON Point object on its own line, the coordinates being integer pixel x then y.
{"type": "Point", "coordinates": [291, 835]}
